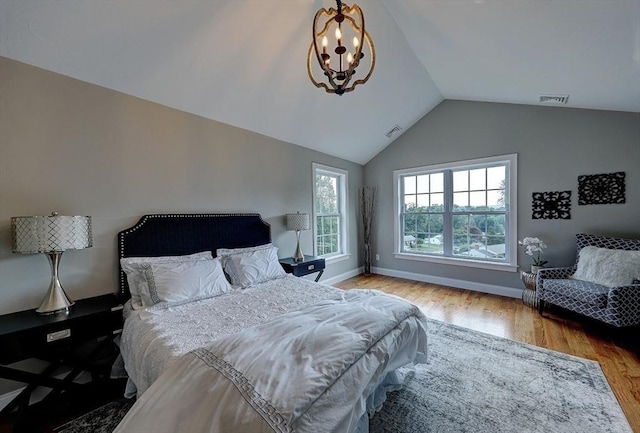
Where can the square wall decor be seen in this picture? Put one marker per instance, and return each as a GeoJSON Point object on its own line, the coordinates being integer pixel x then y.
{"type": "Point", "coordinates": [551, 205]}
{"type": "Point", "coordinates": [606, 188]}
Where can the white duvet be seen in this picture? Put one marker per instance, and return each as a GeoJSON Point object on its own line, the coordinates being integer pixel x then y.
{"type": "Point", "coordinates": [316, 369]}
{"type": "Point", "coordinates": [155, 337]}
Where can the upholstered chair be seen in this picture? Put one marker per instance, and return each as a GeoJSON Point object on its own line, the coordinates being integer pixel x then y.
{"type": "Point", "coordinates": [617, 305]}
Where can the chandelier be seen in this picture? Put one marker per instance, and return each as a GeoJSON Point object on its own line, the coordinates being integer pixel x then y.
{"type": "Point", "coordinates": [336, 64]}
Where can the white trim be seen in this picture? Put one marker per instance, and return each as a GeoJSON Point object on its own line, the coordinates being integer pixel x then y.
{"type": "Point", "coordinates": [511, 264]}
{"type": "Point", "coordinates": [492, 289]}
{"type": "Point", "coordinates": [469, 163]}
{"type": "Point", "coordinates": [344, 205]}
{"type": "Point", "coordinates": [344, 276]}
{"type": "Point", "coordinates": [504, 267]}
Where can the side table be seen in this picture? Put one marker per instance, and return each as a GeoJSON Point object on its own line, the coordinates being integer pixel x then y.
{"type": "Point", "coordinates": [309, 265]}
{"type": "Point", "coordinates": [529, 293]}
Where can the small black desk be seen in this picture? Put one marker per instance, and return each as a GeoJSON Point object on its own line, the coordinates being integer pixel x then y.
{"type": "Point", "coordinates": [309, 265]}
{"type": "Point", "coordinates": [75, 339]}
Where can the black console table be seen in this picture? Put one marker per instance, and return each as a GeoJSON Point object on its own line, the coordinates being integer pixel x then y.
{"type": "Point", "coordinates": [75, 340]}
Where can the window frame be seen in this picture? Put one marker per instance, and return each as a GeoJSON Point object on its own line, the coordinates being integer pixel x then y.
{"type": "Point", "coordinates": [343, 200]}
{"type": "Point", "coordinates": [511, 244]}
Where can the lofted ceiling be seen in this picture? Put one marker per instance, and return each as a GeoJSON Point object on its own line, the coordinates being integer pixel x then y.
{"type": "Point", "coordinates": [243, 62]}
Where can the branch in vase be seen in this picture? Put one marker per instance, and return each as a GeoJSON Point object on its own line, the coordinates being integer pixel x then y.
{"type": "Point", "coordinates": [368, 205]}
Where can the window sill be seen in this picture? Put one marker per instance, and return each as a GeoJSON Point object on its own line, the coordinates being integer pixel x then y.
{"type": "Point", "coordinates": [504, 267]}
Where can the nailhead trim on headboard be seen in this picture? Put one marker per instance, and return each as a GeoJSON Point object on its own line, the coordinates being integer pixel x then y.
{"type": "Point", "coordinates": [258, 234]}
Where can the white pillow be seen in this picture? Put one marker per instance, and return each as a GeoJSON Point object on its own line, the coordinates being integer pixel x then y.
{"type": "Point", "coordinates": [253, 267]}
{"type": "Point", "coordinates": [180, 281]}
{"type": "Point", "coordinates": [225, 252]}
{"type": "Point", "coordinates": [132, 267]}
{"type": "Point", "coordinates": [611, 268]}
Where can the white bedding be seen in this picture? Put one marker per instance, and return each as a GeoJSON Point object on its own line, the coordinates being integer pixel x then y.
{"type": "Point", "coordinates": [315, 369]}
{"type": "Point", "coordinates": [155, 337]}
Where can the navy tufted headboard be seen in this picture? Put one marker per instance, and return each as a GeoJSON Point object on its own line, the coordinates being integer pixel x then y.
{"type": "Point", "coordinates": [179, 234]}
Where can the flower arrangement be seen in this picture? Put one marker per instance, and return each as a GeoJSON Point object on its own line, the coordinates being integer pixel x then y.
{"type": "Point", "coordinates": [533, 247]}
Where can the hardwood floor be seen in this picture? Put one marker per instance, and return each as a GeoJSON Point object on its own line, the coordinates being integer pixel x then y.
{"type": "Point", "coordinates": [510, 318]}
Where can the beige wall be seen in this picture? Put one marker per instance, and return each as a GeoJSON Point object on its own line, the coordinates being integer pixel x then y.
{"type": "Point", "coordinates": [76, 148]}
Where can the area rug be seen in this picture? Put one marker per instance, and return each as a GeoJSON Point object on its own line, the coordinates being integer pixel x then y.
{"type": "Point", "coordinates": [474, 383]}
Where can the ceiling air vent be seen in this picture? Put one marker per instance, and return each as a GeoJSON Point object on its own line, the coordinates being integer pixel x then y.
{"type": "Point", "coordinates": [396, 128]}
{"type": "Point", "coordinates": [554, 99]}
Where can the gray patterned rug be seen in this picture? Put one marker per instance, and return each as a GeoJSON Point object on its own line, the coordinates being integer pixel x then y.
{"type": "Point", "coordinates": [474, 383]}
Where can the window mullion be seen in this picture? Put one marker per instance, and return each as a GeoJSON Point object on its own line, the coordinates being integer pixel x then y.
{"type": "Point", "coordinates": [507, 208]}
{"type": "Point", "coordinates": [447, 217]}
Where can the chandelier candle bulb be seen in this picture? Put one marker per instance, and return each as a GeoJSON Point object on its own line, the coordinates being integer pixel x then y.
{"type": "Point", "coordinates": [340, 49]}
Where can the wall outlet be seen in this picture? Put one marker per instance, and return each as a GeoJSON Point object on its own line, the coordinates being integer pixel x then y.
{"type": "Point", "coordinates": [377, 256]}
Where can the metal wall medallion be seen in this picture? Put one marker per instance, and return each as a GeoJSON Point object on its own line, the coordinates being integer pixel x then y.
{"type": "Point", "coordinates": [608, 188]}
{"type": "Point", "coordinates": [551, 205]}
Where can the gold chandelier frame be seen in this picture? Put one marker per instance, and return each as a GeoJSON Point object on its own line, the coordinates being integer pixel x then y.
{"type": "Point", "coordinates": [339, 81]}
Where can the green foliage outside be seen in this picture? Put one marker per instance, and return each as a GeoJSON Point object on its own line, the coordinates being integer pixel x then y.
{"type": "Point", "coordinates": [327, 215]}
{"type": "Point", "coordinates": [424, 231]}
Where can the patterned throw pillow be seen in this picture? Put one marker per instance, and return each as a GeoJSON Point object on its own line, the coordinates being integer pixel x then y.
{"type": "Point", "coordinates": [132, 267]}
{"type": "Point", "coordinates": [181, 281]}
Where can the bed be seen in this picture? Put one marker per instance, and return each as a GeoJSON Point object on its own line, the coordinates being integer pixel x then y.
{"type": "Point", "coordinates": [217, 338]}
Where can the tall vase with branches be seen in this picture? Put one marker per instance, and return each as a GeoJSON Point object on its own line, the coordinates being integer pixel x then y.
{"type": "Point", "coordinates": [368, 205]}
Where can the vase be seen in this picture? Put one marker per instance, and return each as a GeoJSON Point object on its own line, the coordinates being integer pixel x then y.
{"type": "Point", "coordinates": [535, 269]}
{"type": "Point", "coordinates": [528, 280]}
{"type": "Point", "coordinates": [529, 297]}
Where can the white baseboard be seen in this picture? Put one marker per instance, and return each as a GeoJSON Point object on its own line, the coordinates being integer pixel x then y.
{"type": "Point", "coordinates": [344, 276]}
{"type": "Point", "coordinates": [452, 282]}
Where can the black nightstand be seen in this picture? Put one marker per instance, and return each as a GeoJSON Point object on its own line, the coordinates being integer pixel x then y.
{"type": "Point", "coordinates": [78, 340]}
{"type": "Point", "coordinates": [309, 265]}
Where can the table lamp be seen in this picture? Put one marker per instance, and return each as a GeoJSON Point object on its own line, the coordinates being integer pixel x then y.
{"type": "Point", "coordinates": [51, 235]}
{"type": "Point", "coordinates": [298, 221]}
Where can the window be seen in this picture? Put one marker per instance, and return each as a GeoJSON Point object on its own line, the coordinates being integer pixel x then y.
{"type": "Point", "coordinates": [329, 211]}
{"type": "Point", "coordinates": [459, 213]}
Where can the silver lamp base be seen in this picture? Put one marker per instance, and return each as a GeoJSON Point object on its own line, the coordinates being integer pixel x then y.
{"type": "Point", "coordinates": [56, 300]}
{"type": "Point", "coordinates": [298, 256]}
